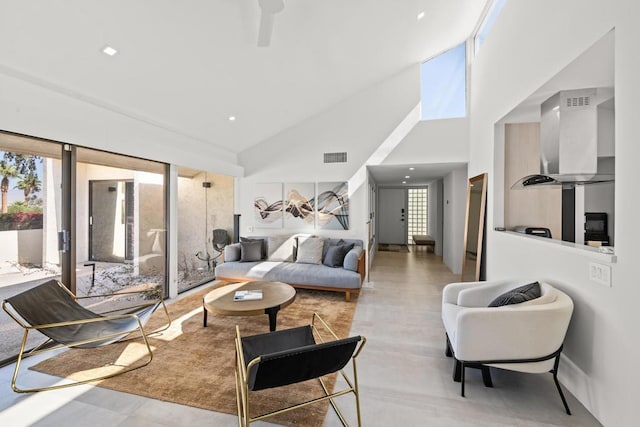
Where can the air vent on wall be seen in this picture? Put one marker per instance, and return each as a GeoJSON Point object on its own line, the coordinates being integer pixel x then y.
{"type": "Point", "coordinates": [579, 101]}
{"type": "Point", "coordinates": [335, 157]}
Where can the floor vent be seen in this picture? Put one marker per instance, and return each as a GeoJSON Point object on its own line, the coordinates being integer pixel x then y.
{"type": "Point", "coordinates": [335, 157]}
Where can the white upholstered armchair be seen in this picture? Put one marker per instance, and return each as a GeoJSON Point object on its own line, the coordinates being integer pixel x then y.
{"type": "Point", "coordinates": [525, 336]}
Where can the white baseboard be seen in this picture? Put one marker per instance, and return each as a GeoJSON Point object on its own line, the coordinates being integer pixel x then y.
{"type": "Point", "coordinates": [576, 381]}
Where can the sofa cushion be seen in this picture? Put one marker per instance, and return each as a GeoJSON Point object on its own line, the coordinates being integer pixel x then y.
{"type": "Point", "coordinates": [351, 259]}
{"type": "Point", "coordinates": [280, 248]}
{"type": "Point", "coordinates": [250, 251]}
{"type": "Point", "coordinates": [517, 295]}
{"type": "Point", "coordinates": [310, 250]}
{"type": "Point", "coordinates": [290, 272]}
{"type": "Point", "coordinates": [232, 252]}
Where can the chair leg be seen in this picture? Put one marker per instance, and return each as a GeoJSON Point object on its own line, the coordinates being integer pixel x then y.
{"type": "Point", "coordinates": [461, 379]}
{"type": "Point", "coordinates": [457, 371]}
{"type": "Point", "coordinates": [486, 376]}
{"type": "Point", "coordinates": [555, 379]}
{"type": "Point", "coordinates": [447, 351]}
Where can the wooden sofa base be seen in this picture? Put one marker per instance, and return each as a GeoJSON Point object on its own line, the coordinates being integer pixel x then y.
{"type": "Point", "coordinates": [347, 291]}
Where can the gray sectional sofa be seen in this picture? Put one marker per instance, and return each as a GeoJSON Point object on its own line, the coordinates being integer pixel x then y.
{"type": "Point", "coordinates": [278, 261]}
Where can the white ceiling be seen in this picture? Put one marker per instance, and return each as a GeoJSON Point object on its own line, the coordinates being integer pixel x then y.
{"type": "Point", "coordinates": [189, 65]}
{"type": "Point", "coordinates": [423, 174]}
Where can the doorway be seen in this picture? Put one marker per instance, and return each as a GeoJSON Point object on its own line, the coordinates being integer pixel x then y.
{"type": "Point", "coordinates": [392, 216]}
{"type": "Point", "coordinates": [111, 220]}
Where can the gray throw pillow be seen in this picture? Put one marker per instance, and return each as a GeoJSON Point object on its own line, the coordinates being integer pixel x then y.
{"type": "Point", "coordinates": [262, 241]}
{"type": "Point", "coordinates": [250, 251]}
{"type": "Point", "coordinates": [335, 255]}
{"type": "Point", "coordinates": [518, 295]}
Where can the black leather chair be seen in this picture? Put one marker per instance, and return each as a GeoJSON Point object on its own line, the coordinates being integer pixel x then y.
{"type": "Point", "coordinates": [290, 356]}
{"type": "Point", "coordinates": [51, 309]}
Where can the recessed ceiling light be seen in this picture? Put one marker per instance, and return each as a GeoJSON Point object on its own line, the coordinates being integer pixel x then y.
{"type": "Point", "coordinates": [108, 50]}
{"type": "Point", "coordinates": [404, 182]}
{"type": "Point", "coordinates": [420, 15]}
{"type": "Point", "coordinates": [232, 118]}
{"type": "Point", "coordinates": [407, 176]}
{"type": "Point", "coordinates": [412, 169]}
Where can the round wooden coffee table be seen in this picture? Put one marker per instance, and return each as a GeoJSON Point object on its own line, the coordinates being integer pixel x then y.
{"type": "Point", "coordinates": [275, 295]}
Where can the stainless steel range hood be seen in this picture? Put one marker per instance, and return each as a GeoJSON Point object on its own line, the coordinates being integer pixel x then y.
{"type": "Point", "coordinates": [576, 139]}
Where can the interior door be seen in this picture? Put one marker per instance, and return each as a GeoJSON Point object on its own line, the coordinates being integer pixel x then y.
{"type": "Point", "coordinates": [392, 206]}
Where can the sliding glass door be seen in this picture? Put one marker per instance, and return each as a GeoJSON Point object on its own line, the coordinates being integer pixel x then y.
{"type": "Point", "coordinates": [120, 223]}
{"type": "Point", "coordinates": [92, 219]}
{"type": "Point", "coordinates": [30, 219]}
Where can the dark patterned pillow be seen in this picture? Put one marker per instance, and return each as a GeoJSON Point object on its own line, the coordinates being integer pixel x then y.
{"type": "Point", "coordinates": [251, 251]}
{"type": "Point", "coordinates": [518, 295]}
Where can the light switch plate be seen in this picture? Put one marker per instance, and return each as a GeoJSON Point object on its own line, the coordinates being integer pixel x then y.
{"type": "Point", "coordinates": [600, 273]}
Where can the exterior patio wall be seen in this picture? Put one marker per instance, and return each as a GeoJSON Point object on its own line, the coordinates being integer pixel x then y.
{"type": "Point", "coordinates": [23, 246]}
{"type": "Point", "coordinates": [194, 230]}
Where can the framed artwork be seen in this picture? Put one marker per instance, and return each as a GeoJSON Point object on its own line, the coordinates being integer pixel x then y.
{"type": "Point", "coordinates": [267, 205]}
{"type": "Point", "coordinates": [332, 205]}
{"type": "Point", "coordinates": [299, 205]}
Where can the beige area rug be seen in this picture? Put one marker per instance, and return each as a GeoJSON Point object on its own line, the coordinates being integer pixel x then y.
{"type": "Point", "coordinates": [194, 365]}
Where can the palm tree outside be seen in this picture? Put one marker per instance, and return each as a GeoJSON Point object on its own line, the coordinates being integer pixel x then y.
{"type": "Point", "coordinates": [29, 184]}
{"type": "Point", "coordinates": [7, 172]}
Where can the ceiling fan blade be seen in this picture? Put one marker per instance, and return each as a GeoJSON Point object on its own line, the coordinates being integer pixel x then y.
{"type": "Point", "coordinates": [269, 9]}
{"type": "Point", "coordinates": [266, 27]}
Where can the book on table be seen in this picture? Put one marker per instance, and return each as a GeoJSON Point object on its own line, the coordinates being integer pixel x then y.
{"type": "Point", "coordinates": [249, 295]}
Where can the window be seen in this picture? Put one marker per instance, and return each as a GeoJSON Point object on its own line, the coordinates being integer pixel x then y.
{"type": "Point", "coordinates": [417, 212]}
{"type": "Point", "coordinates": [443, 81]}
{"type": "Point", "coordinates": [204, 204]}
{"type": "Point", "coordinates": [487, 24]}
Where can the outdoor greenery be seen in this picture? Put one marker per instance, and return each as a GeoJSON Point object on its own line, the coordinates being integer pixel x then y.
{"type": "Point", "coordinates": [23, 167]}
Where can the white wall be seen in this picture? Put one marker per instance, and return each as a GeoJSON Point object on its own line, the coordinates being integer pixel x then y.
{"type": "Point", "coordinates": [530, 43]}
{"type": "Point", "coordinates": [434, 214]}
{"type": "Point", "coordinates": [357, 125]}
{"type": "Point", "coordinates": [454, 205]}
{"type": "Point", "coordinates": [32, 108]}
{"type": "Point", "coordinates": [433, 141]}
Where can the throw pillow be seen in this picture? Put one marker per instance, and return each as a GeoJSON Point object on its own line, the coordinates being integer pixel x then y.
{"type": "Point", "coordinates": [232, 252]}
{"type": "Point", "coordinates": [330, 242]}
{"type": "Point", "coordinates": [281, 248]}
{"type": "Point", "coordinates": [310, 250]}
{"type": "Point", "coordinates": [518, 295]}
{"type": "Point", "coordinates": [335, 255]}
{"type": "Point", "coordinates": [263, 248]}
{"type": "Point", "coordinates": [250, 251]}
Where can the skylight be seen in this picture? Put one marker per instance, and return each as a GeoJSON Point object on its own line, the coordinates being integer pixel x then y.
{"type": "Point", "coordinates": [443, 85]}
{"type": "Point", "coordinates": [487, 24]}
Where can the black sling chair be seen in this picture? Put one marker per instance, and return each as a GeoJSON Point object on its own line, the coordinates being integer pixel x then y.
{"type": "Point", "coordinates": [51, 309]}
{"type": "Point", "coordinates": [290, 356]}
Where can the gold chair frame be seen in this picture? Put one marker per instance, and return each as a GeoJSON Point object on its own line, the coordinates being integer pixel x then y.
{"type": "Point", "coordinates": [242, 388]}
{"type": "Point", "coordinates": [23, 354]}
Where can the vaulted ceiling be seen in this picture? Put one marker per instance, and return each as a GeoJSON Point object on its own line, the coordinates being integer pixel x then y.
{"type": "Point", "coordinates": [190, 65]}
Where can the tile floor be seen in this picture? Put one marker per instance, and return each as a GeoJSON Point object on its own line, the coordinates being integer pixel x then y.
{"type": "Point", "coordinates": [405, 379]}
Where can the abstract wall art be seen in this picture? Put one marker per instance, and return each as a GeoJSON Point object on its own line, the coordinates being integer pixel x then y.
{"type": "Point", "coordinates": [267, 205]}
{"type": "Point", "coordinates": [332, 205]}
{"type": "Point", "coordinates": [299, 205]}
